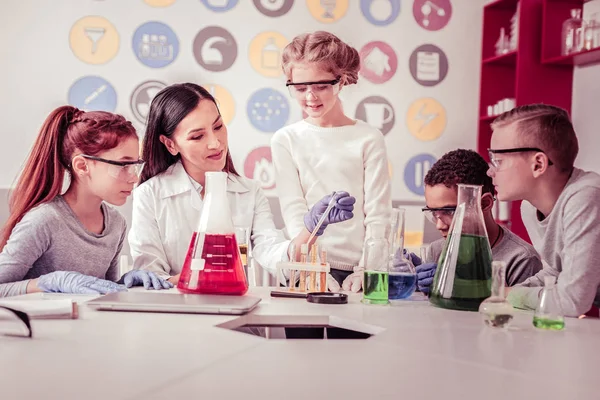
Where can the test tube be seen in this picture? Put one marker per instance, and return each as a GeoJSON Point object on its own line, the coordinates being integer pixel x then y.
{"type": "Point", "coordinates": [303, 255]}
{"type": "Point", "coordinates": [313, 274]}
{"type": "Point", "coordinates": [323, 275]}
{"type": "Point", "coordinates": [292, 271]}
{"type": "Point", "coordinates": [423, 253]}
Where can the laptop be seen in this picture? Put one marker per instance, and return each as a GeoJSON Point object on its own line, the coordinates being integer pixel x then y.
{"type": "Point", "coordinates": [175, 303]}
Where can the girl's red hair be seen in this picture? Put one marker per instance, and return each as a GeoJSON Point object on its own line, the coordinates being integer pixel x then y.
{"type": "Point", "coordinates": [65, 131]}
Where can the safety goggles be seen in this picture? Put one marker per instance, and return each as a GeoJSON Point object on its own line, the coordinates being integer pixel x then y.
{"type": "Point", "coordinates": [14, 323]}
{"type": "Point", "coordinates": [444, 214]}
{"type": "Point", "coordinates": [123, 170]}
{"type": "Point", "coordinates": [497, 163]}
{"type": "Point", "coordinates": [300, 89]}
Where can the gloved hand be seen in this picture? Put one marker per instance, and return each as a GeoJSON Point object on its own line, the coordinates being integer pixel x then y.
{"type": "Point", "coordinates": [402, 258]}
{"type": "Point", "coordinates": [425, 273]}
{"type": "Point", "coordinates": [332, 284]}
{"type": "Point", "coordinates": [148, 279]}
{"type": "Point", "coordinates": [353, 282]}
{"type": "Point", "coordinates": [412, 257]}
{"type": "Point", "coordinates": [341, 211]}
{"type": "Point", "coordinates": [74, 282]}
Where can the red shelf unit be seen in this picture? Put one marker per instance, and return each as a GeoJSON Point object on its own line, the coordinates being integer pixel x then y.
{"type": "Point", "coordinates": [554, 13]}
{"type": "Point", "coordinates": [520, 74]}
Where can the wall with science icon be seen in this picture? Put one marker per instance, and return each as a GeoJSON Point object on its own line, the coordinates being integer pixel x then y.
{"type": "Point", "coordinates": [418, 84]}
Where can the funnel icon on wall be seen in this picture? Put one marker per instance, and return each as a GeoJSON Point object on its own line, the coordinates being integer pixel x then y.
{"type": "Point", "coordinates": [95, 35]}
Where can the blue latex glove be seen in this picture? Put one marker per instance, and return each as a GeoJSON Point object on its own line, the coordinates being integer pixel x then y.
{"type": "Point", "coordinates": [341, 211]}
{"type": "Point", "coordinates": [74, 282]}
{"type": "Point", "coordinates": [425, 273]}
{"type": "Point", "coordinates": [414, 259]}
{"type": "Point", "coordinates": [146, 278]}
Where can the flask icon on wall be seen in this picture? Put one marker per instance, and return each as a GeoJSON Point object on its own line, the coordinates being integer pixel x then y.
{"type": "Point", "coordinates": [270, 55]}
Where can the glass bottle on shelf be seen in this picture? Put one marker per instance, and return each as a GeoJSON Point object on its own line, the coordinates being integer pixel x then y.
{"type": "Point", "coordinates": [502, 45]}
{"type": "Point", "coordinates": [592, 32]}
{"type": "Point", "coordinates": [573, 33]}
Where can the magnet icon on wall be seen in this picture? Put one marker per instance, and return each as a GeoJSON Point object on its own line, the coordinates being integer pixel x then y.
{"type": "Point", "coordinates": [155, 44]}
{"type": "Point", "coordinates": [268, 110]}
{"type": "Point", "coordinates": [380, 12]}
{"type": "Point", "coordinates": [273, 8]}
{"type": "Point", "coordinates": [415, 170]}
{"type": "Point", "coordinates": [93, 93]}
{"type": "Point", "coordinates": [215, 49]}
{"type": "Point", "coordinates": [259, 166]}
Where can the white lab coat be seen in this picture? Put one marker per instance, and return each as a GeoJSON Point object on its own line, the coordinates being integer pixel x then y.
{"type": "Point", "coordinates": [166, 211]}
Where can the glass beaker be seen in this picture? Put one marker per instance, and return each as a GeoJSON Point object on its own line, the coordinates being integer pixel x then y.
{"type": "Point", "coordinates": [495, 310]}
{"type": "Point", "coordinates": [463, 278]}
{"type": "Point", "coordinates": [402, 275]}
{"type": "Point", "coordinates": [213, 264]}
{"type": "Point", "coordinates": [376, 262]}
{"type": "Point", "coordinates": [548, 314]}
{"type": "Point", "coordinates": [573, 33]}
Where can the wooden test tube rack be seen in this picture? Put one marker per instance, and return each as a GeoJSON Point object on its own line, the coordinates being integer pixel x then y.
{"type": "Point", "coordinates": [301, 267]}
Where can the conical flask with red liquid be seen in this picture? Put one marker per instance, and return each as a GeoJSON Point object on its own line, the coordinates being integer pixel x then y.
{"type": "Point", "coordinates": [213, 264]}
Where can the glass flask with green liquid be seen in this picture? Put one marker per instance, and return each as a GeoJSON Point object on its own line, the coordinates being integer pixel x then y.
{"type": "Point", "coordinates": [548, 314]}
{"type": "Point", "coordinates": [463, 279]}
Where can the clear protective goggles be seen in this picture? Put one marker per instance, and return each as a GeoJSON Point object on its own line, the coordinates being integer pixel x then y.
{"type": "Point", "coordinates": [126, 171]}
{"type": "Point", "coordinates": [444, 214]}
{"type": "Point", "coordinates": [300, 89]}
{"type": "Point", "coordinates": [497, 163]}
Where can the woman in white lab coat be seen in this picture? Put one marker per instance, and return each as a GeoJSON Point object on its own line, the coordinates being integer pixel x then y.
{"type": "Point", "coordinates": [186, 137]}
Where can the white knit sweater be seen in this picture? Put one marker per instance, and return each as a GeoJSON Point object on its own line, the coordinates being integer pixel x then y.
{"type": "Point", "coordinates": [311, 162]}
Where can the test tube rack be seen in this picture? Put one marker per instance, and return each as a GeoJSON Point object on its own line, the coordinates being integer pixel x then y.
{"type": "Point", "coordinates": [314, 280]}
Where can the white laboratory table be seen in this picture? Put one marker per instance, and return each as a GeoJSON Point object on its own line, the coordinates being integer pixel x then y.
{"type": "Point", "coordinates": [420, 352]}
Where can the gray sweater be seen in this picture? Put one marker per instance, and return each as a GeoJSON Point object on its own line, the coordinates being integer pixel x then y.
{"type": "Point", "coordinates": [522, 261]}
{"type": "Point", "coordinates": [50, 238]}
{"type": "Point", "coordinates": [569, 242]}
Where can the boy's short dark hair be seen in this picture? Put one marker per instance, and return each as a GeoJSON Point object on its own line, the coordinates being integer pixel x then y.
{"type": "Point", "coordinates": [460, 166]}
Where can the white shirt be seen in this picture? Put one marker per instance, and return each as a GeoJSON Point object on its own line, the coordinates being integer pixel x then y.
{"type": "Point", "coordinates": [166, 212]}
{"type": "Point", "coordinates": [311, 162]}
